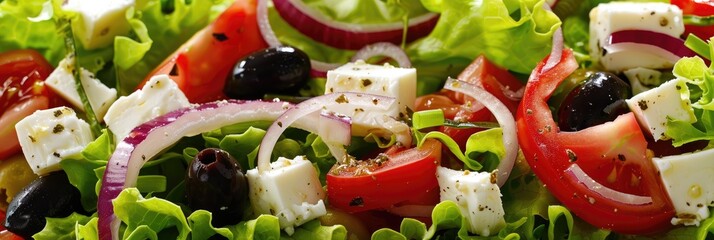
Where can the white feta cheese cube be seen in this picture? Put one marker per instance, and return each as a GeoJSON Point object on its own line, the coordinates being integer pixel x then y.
{"type": "Point", "coordinates": [668, 101]}
{"type": "Point", "coordinates": [62, 82]}
{"type": "Point", "coordinates": [608, 18]}
{"type": "Point", "coordinates": [688, 179]}
{"type": "Point", "coordinates": [643, 79]}
{"type": "Point", "coordinates": [289, 190]}
{"type": "Point", "coordinates": [385, 80]}
{"type": "Point", "coordinates": [477, 196]}
{"type": "Point", "coordinates": [159, 96]}
{"type": "Point", "coordinates": [50, 135]}
{"type": "Point", "coordinates": [101, 20]}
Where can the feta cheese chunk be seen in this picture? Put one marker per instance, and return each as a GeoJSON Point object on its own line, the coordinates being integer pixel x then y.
{"type": "Point", "coordinates": [159, 96]}
{"type": "Point", "coordinates": [50, 135]}
{"type": "Point", "coordinates": [100, 20]}
{"type": "Point", "coordinates": [606, 19]}
{"type": "Point", "coordinates": [385, 80]}
{"type": "Point", "coordinates": [477, 196]}
{"type": "Point", "coordinates": [668, 101]}
{"type": "Point", "coordinates": [688, 179]}
{"type": "Point", "coordinates": [290, 190]}
{"type": "Point", "coordinates": [643, 79]}
{"type": "Point", "coordinates": [62, 82]}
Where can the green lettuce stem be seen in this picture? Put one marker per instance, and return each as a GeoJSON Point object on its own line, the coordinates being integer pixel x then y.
{"type": "Point", "coordinates": [71, 47]}
{"type": "Point", "coordinates": [698, 20]}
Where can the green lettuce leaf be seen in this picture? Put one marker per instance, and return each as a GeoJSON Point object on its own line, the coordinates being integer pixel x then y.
{"type": "Point", "coordinates": [87, 231]}
{"type": "Point", "coordinates": [700, 90]}
{"type": "Point", "coordinates": [486, 147]}
{"type": "Point", "coordinates": [201, 227]}
{"type": "Point", "coordinates": [62, 228]}
{"type": "Point", "coordinates": [564, 225]}
{"type": "Point", "coordinates": [241, 145]}
{"type": "Point", "coordinates": [136, 57]}
{"type": "Point", "coordinates": [514, 34]}
{"type": "Point", "coordinates": [366, 11]}
{"type": "Point", "coordinates": [314, 230]}
{"type": "Point", "coordinates": [131, 57]}
{"type": "Point", "coordinates": [81, 172]}
{"type": "Point", "coordinates": [156, 214]}
{"type": "Point", "coordinates": [21, 33]}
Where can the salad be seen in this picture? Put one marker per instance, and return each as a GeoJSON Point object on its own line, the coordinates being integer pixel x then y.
{"type": "Point", "coordinates": [327, 119]}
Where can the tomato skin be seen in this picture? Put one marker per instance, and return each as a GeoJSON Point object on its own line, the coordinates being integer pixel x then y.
{"type": "Point", "coordinates": [22, 92]}
{"type": "Point", "coordinates": [551, 154]}
{"type": "Point", "coordinates": [201, 65]}
{"type": "Point", "coordinates": [408, 174]}
{"type": "Point", "coordinates": [482, 73]}
{"type": "Point", "coordinates": [14, 115]}
{"type": "Point", "coordinates": [701, 8]}
{"type": "Point", "coordinates": [7, 235]}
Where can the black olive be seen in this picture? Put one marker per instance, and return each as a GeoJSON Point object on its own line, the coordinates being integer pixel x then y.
{"type": "Point", "coordinates": [279, 70]}
{"type": "Point", "coordinates": [214, 182]}
{"type": "Point", "coordinates": [48, 196]}
{"type": "Point", "coordinates": [600, 99]}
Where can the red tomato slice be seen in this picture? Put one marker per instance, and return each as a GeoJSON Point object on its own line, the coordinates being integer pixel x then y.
{"type": "Point", "coordinates": [200, 67]}
{"type": "Point", "coordinates": [482, 72]}
{"type": "Point", "coordinates": [404, 174]}
{"type": "Point", "coordinates": [22, 91]}
{"type": "Point", "coordinates": [14, 115]}
{"type": "Point", "coordinates": [602, 173]}
{"type": "Point", "coordinates": [701, 8]}
{"type": "Point", "coordinates": [7, 235]}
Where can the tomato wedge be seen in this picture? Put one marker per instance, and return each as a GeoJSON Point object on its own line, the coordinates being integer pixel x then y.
{"type": "Point", "coordinates": [22, 91]}
{"type": "Point", "coordinates": [200, 67]}
{"type": "Point", "coordinates": [496, 80]}
{"type": "Point", "coordinates": [601, 173]}
{"type": "Point", "coordinates": [699, 8]}
{"type": "Point", "coordinates": [398, 175]}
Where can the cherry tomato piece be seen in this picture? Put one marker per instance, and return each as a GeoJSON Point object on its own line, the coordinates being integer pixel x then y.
{"type": "Point", "coordinates": [699, 8]}
{"type": "Point", "coordinates": [22, 91]}
{"type": "Point", "coordinates": [394, 177]}
{"type": "Point", "coordinates": [601, 173]}
{"type": "Point", "coordinates": [200, 67]}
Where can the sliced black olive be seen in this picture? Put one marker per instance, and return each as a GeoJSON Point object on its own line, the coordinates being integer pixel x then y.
{"type": "Point", "coordinates": [277, 70]}
{"type": "Point", "coordinates": [48, 196]}
{"type": "Point", "coordinates": [601, 98]}
{"type": "Point", "coordinates": [214, 182]}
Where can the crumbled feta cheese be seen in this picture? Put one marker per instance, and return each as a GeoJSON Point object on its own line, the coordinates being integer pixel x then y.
{"type": "Point", "coordinates": [668, 101]}
{"type": "Point", "coordinates": [159, 96]}
{"type": "Point", "coordinates": [478, 197]}
{"type": "Point", "coordinates": [48, 136]}
{"type": "Point", "coordinates": [643, 79]}
{"type": "Point", "coordinates": [688, 180]}
{"type": "Point", "coordinates": [100, 20]}
{"type": "Point", "coordinates": [385, 80]}
{"type": "Point", "coordinates": [62, 82]}
{"type": "Point", "coordinates": [290, 190]}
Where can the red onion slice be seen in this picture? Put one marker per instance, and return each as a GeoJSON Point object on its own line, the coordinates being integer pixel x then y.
{"type": "Point", "coordinates": [346, 35]}
{"type": "Point", "coordinates": [666, 46]}
{"type": "Point", "coordinates": [504, 118]}
{"type": "Point", "coordinates": [152, 137]}
{"type": "Point", "coordinates": [306, 108]}
{"type": "Point", "coordinates": [580, 176]}
{"type": "Point", "coordinates": [335, 128]}
{"type": "Point", "coordinates": [336, 131]}
{"type": "Point", "coordinates": [557, 50]}
{"type": "Point", "coordinates": [319, 69]}
{"type": "Point", "coordinates": [384, 49]}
